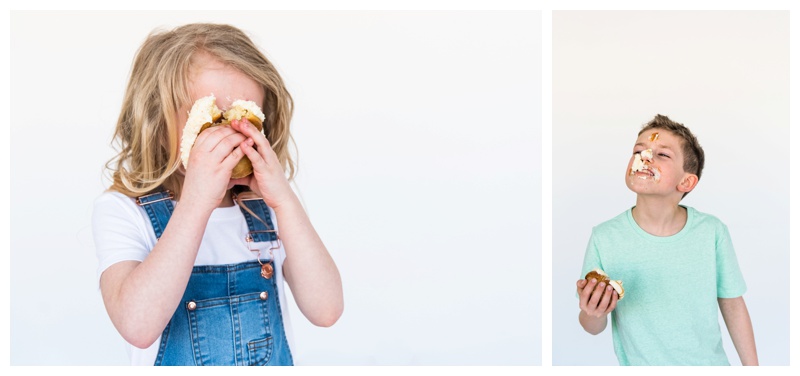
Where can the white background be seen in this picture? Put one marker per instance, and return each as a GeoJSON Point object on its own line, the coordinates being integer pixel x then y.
{"type": "Point", "coordinates": [725, 75]}
{"type": "Point", "coordinates": [419, 144]}
{"type": "Point", "coordinates": [546, 281]}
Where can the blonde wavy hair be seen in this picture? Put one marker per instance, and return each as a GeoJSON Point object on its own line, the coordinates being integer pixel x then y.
{"type": "Point", "coordinates": [147, 131]}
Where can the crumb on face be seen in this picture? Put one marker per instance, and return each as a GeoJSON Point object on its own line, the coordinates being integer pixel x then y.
{"type": "Point", "coordinates": [641, 163]}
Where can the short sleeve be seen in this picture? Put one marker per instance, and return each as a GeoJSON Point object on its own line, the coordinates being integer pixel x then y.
{"type": "Point", "coordinates": [118, 231]}
{"type": "Point", "coordinates": [591, 258]}
{"type": "Point", "coordinates": [730, 282]}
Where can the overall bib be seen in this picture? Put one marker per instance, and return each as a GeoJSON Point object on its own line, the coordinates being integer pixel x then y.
{"type": "Point", "coordinates": [229, 314]}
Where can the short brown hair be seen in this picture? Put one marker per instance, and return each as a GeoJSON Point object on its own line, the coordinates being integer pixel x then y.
{"type": "Point", "coordinates": [693, 156]}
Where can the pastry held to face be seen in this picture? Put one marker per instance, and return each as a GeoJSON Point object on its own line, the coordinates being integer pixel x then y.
{"type": "Point", "coordinates": [601, 276]}
{"type": "Point", "coordinates": [205, 114]}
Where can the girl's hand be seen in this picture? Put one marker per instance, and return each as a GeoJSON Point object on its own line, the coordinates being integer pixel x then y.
{"type": "Point", "coordinates": [308, 268]}
{"type": "Point", "coordinates": [268, 179]}
{"type": "Point", "coordinates": [596, 299]}
{"type": "Point", "coordinates": [212, 159]}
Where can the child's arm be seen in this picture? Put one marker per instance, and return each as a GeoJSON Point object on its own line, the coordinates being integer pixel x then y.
{"type": "Point", "coordinates": [596, 302]}
{"type": "Point", "coordinates": [737, 319]}
{"type": "Point", "coordinates": [141, 297]}
{"type": "Point", "coordinates": [309, 268]}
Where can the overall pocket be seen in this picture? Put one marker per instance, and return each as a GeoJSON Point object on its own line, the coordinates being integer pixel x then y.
{"type": "Point", "coordinates": [224, 328]}
{"type": "Point", "coordinates": [259, 352]}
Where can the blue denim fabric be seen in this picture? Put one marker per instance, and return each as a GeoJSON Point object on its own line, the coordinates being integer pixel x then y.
{"type": "Point", "coordinates": [159, 208]}
{"type": "Point", "coordinates": [259, 231]}
{"type": "Point", "coordinates": [229, 315]}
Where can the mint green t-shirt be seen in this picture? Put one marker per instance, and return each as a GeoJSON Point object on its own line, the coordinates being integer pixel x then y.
{"type": "Point", "coordinates": [669, 315]}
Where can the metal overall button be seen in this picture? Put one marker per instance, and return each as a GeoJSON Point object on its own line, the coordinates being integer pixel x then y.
{"type": "Point", "coordinates": [263, 295]}
{"type": "Point", "coordinates": [191, 305]}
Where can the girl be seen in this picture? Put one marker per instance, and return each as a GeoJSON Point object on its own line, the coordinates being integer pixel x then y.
{"type": "Point", "coordinates": [192, 262]}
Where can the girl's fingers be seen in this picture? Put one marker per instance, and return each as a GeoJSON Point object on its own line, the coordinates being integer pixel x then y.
{"type": "Point", "coordinates": [217, 141]}
{"type": "Point", "coordinates": [208, 138]}
{"type": "Point", "coordinates": [255, 158]}
{"type": "Point", "coordinates": [226, 144]}
{"type": "Point", "coordinates": [250, 130]}
{"type": "Point", "coordinates": [233, 158]}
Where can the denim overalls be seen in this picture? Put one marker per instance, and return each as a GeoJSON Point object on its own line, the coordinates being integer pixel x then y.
{"type": "Point", "coordinates": [229, 314]}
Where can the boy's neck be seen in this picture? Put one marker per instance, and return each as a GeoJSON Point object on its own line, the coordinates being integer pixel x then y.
{"type": "Point", "coordinates": [659, 217]}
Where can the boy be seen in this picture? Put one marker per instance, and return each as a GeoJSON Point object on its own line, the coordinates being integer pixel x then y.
{"type": "Point", "coordinates": [677, 264]}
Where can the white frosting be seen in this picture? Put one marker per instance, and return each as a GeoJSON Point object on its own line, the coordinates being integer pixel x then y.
{"type": "Point", "coordinates": [617, 285]}
{"type": "Point", "coordinates": [638, 163]}
{"type": "Point", "coordinates": [249, 106]}
{"type": "Point", "coordinates": [203, 111]}
{"type": "Point", "coordinates": [641, 163]}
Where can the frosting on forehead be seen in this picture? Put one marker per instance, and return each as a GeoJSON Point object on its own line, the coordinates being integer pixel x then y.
{"type": "Point", "coordinates": [654, 136]}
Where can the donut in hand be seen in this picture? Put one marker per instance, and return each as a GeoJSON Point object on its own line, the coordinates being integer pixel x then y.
{"type": "Point", "coordinates": [205, 114]}
{"type": "Point", "coordinates": [601, 276]}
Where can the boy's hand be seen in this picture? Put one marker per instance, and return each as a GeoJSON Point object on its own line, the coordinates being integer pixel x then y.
{"type": "Point", "coordinates": [596, 299]}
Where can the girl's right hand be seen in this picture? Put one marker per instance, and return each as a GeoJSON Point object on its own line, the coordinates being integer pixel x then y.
{"type": "Point", "coordinates": [211, 161]}
{"type": "Point", "coordinates": [596, 299]}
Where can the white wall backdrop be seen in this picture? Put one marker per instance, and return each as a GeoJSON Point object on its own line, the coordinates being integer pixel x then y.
{"type": "Point", "coordinates": [419, 151]}
{"type": "Point", "coordinates": [725, 75]}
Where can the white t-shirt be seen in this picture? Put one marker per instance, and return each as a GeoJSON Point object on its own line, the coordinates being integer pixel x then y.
{"type": "Point", "coordinates": [122, 231]}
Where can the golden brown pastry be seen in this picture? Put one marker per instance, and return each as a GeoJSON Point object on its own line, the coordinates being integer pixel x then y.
{"type": "Point", "coordinates": [205, 114]}
{"type": "Point", "coordinates": [601, 276]}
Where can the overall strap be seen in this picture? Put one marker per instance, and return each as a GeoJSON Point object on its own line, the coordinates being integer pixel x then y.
{"type": "Point", "coordinates": [159, 208]}
{"type": "Point", "coordinates": [262, 230]}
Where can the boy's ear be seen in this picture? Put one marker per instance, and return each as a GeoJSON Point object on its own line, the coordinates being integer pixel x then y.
{"type": "Point", "coordinates": [688, 183]}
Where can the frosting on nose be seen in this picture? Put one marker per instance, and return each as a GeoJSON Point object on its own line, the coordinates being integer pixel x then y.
{"type": "Point", "coordinates": [641, 162]}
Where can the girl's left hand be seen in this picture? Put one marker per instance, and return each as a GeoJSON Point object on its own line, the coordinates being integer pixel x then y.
{"type": "Point", "coordinates": [308, 268]}
{"type": "Point", "coordinates": [268, 179]}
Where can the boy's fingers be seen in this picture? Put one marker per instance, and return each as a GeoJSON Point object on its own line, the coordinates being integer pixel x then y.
{"type": "Point", "coordinates": [605, 299]}
{"type": "Point", "coordinates": [583, 295]}
{"type": "Point", "coordinates": [596, 295]}
{"type": "Point", "coordinates": [614, 299]}
{"type": "Point", "coordinates": [587, 290]}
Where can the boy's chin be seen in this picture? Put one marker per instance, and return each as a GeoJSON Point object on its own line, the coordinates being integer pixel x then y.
{"type": "Point", "coordinates": [641, 184]}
